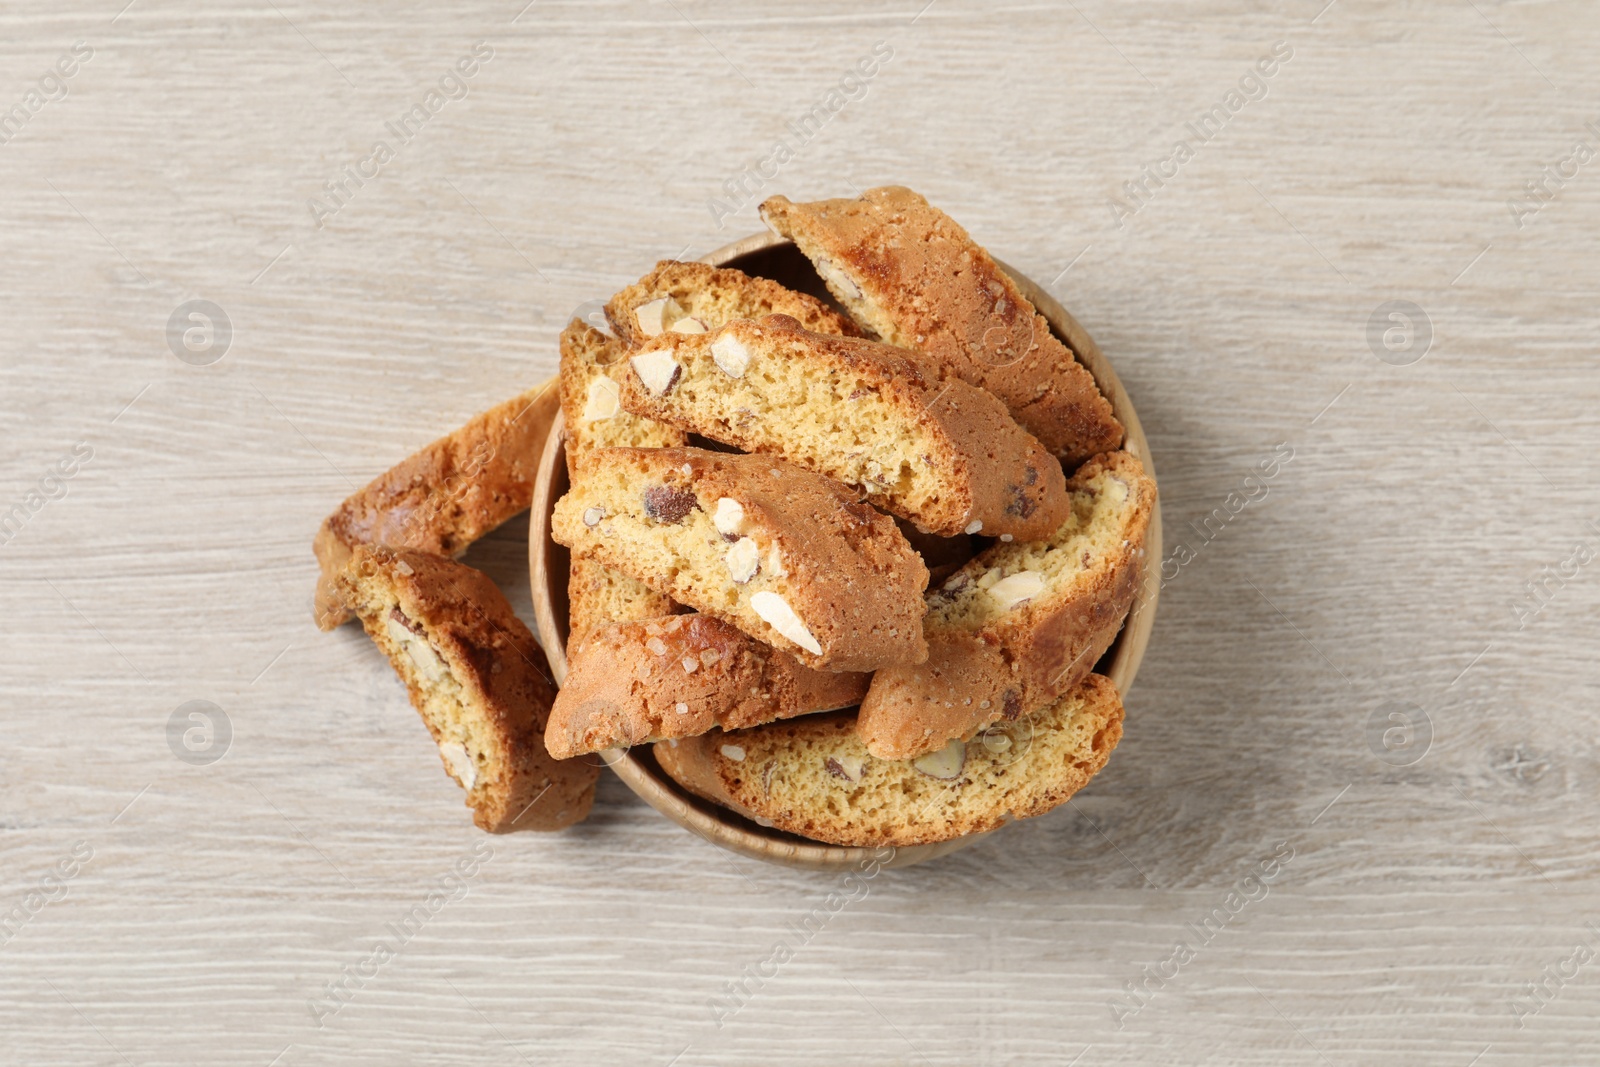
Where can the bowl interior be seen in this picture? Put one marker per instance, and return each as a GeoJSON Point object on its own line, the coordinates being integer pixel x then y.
{"type": "Point", "coordinates": [769, 256]}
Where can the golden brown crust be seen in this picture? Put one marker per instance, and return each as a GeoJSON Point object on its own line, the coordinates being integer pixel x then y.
{"type": "Point", "coordinates": [1022, 658]}
{"type": "Point", "coordinates": [845, 569]}
{"type": "Point", "coordinates": [491, 698]}
{"type": "Point", "coordinates": [812, 776]}
{"type": "Point", "coordinates": [941, 452]}
{"type": "Point", "coordinates": [714, 296]}
{"type": "Point", "coordinates": [632, 682]}
{"type": "Point", "coordinates": [442, 498]}
{"type": "Point", "coordinates": [908, 272]}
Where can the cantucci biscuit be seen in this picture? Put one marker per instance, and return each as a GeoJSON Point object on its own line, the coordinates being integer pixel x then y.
{"type": "Point", "coordinates": [474, 673]}
{"type": "Point", "coordinates": [812, 776]}
{"type": "Point", "coordinates": [1021, 623]}
{"type": "Point", "coordinates": [789, 557]}
{"type": "Point", "coordinates": [689, 298]}
{"type": "Point", "coordinates": [941, 453]}
{"type": "Point", "coordinates": [910, 274]}
{"type": "Point", "coordinates": [632, 682]}
{"type": "Point", "coordinates": [442, 498]}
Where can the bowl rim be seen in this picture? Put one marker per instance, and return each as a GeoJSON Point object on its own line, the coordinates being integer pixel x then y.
{"type": "Point", "coordinates": [721, 826]}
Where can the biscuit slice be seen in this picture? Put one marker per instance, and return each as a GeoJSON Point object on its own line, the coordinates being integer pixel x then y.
{"type": "Point", "coordinates": [632, 682]}
{"type": "Point", "coordinates": [943, 454]}
{"type": "Point", "coordinates": [1021, 623]}
{"type": "Point", "coordinates": [814, 777]}
{"type": "Point", "coordinates": [689, 298]}
{"type": "Point", "coordinates": [442, 498]}
{"type": "Point", "coordinates": [474, 674]}
{"type": "Point", "coordinates": [906, 271]}
{"type": "Point", "coordinates": [789, 557]}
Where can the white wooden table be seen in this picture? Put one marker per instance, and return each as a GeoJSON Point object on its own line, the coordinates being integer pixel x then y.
{"type": "Point", "coordinates": [172, 911]}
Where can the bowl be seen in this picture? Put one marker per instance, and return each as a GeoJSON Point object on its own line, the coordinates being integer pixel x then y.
{"type": "Point", "coordinates": [770, 256]}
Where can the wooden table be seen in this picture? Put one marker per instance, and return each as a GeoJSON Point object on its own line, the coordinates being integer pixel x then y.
{"type": "Point", "coordinates": [1373, 671]}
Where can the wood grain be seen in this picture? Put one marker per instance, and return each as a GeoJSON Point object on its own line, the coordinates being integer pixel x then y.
{"type": "Point", "coordinates": [1386, 562]}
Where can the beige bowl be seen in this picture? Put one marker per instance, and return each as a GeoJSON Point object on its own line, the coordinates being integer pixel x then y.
{"type": "Point", "coordinates": [770, 256]}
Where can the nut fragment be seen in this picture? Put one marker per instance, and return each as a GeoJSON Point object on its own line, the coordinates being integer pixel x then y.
{"type": "Point", "coordinates": [1013, 590]}
{"type": "Point", "coordinates": [411, 637]}
{"type": "Point", "coordinates": [668, 503]}
{"type": "Point", "coordinates": [974, 526]}
{"type": "Point", "coordinates": [728, 518]}
{"type": "Point", "coordinates": [690, 664]}
{"type": "Point", "coordinates": [730, 355]}
{"type": "Point", "coordinates": [733, 752]}
{"type": "Point", "coordinates": [744, 560]}
{"type": "Point", "coordinates": [592, 516]}
{"type": "Point", "coordinates": [838, 279]}
{"type": "Point", "coordinates": [775, 563]}
{"type": "Point", "coordinates": [656, 315]}
{"type": "Point", "coordinates": [944, 764]}
{"type": "Point", "coordinates": [776, 613]}
{"type": "Point", "coordinates": [687, 325]}
{"type": "Point", "coordinates": [603, 401]}
{"type": "Point", "coordinates": [850, 768]}
{"type": "Point", "coordinates": [462, 767]}
{"type": "Point", "coordinates": [657, 370]}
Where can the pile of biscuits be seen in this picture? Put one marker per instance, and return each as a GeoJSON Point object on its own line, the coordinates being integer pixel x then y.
{"type": "Point", "coordinates": [846, 564]}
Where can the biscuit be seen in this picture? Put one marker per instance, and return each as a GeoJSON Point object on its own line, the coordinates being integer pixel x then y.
{"type": "Point", "coordinates": [597, 594]}
{"type": "Point", "coordinates": [1020, 623]}
{"type": "Point", "coordinates": [442, 498]}
{"type": "Point", "coordinates": [632, 682]}
{"type": "Point", "coordinates": [695, 297]}
{"type": "Point", "coordinates": [911, 275]}
{"type": "Point", "coordinates": [812, 776]}
{"type": "Point", "coordinates": [474, 673]}
{"type": "Point", "coordinates": [942, 453]}
{"type": "Point", "coordinates": [789, 557]}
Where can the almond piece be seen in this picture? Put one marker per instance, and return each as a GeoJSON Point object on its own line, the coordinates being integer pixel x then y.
{"type": "Point", "coordinates": [657, 370]}
{"type": "Point", "coordinates": [463, 768]}
{"type": "Point", "coordinates": [944, 764]}
{"type": "Point", "coordinates": [603, 402]}
{"type": "Point", "coordinates": [776, 613]}
{"type": "Point", "coordinates": [687, 325]}
{"type": "Point", "coordinates": [730, 355]}
{"type": "Point", "coordinates": [744, 560]}
{"type": "Point", "coordinates": [655, 316]}
{"type": "Point", "coordinates": [728, 517]}
{"type": "Point", "coordinates": [850, 768]}
{"type": "Point", "coordinates": [838, 278]}
{"type": "Point", "coordinates": [1013, 590]}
